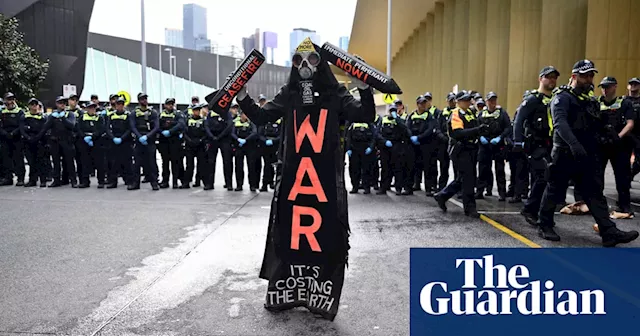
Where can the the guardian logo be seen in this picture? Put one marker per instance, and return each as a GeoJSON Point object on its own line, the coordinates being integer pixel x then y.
{"type": "Point", "coordinates": [506, 292]}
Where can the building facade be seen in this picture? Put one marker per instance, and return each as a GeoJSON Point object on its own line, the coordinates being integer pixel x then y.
{"type": "Point", "coordinates": [58, 31]}
{"type": "Point", "coordinates": [173, 37]}
{"type": "Point", "coordinates": [194, 27]}
{"type": "Point", "coordinates": [496, 45]}
{"type": "Point", "coordinates": [298, 35]}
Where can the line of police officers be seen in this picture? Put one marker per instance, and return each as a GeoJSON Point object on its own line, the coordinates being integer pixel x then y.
{"type": "Point", "coordinates": [70, 144]}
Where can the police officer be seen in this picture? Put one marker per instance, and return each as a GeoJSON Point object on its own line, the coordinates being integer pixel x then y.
{"type": "Point", "coordinates": [360, 140]}
{"type": "Point", "coordinates": [616, 142]}
{"type": "Point", "coordinates": [195, 138]}
{"type": "Point", "coordinates": [32, 130]}
{"type": "Point", "coordinates": [121, 149]}
{"type": "Point", "coordinates": [111, 107]}
{"type": "Point", "coordinates": [402, 114]}
{"type": "Point", "coordinates": [61, 125]}
{"type": "Point", "coordinates": [422, 123]}
{"type": "Point", "coordinates": [172, 124]}
{"type": "Point", "coordinates": [72, 107]}
{"type": "Point", "coordinates": [633, 96]}
{"type": "Point", "coordinates": [145, 127]}
{"type": "Point", "coordinates": [532, 130]}
{"type": "Point", "coordinates": [442, 134]}
{"type": "Point", "coordinates": [96, 100]}
{"type": "Point", "coordinates": [195, 101]}
{"type": "Point", "coordinates": [262, 99]}
{"type": "Point", "coordinates": [393, 140]}
{"type": "Point", "coordinates": [218, 129]}
{"type": "Point", "coordinates": [576, 125]}
{"type": "Point", "coordinates": [269, 137]}
{"type": "Point", "coordinates": [464, 131]}
{"type": "Point", "coordinates": [89, 130]}
{"type": "Point", "coordinates": [245, 135]}
{"type": "Point", "coordinates": [11, 142]}
{"type": "Point", "coordinates": [492, 146]}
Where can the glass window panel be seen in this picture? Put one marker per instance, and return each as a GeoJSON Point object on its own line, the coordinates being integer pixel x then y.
{"type": "Point", "coordinates": [135, 79]}
{"type": "Point", "coordinates": [99, 75]}
{"type": "Point", "coordinates": [124, 83]}
{"type": "Point", "coordinates": [111, 76]}
{"type": "Point", "coordinates": [88, 78]}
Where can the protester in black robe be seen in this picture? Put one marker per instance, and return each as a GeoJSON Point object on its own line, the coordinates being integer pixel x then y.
{"type": "Point", "coordinates": [308, 237]}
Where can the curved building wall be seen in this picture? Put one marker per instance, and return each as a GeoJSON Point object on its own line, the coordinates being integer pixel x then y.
{"type": "Point", "coordinates": [57, 30]}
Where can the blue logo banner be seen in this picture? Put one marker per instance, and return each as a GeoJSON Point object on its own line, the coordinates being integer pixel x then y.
{"type": "Point", "coordinates": [524, 291]}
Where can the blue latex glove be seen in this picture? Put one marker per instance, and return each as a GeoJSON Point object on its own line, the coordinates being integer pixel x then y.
{"type": "Point", "coordinates": [388, 143]}
{"type": "Point", "coordinates": [483, 140]}
{"type": "Point", "coordinates": [54, 114]}
{"type": "Point", "coordinates": [143, 139]}
{"type": "Point", "coordinates": [90, 143]}
{"type": "Point", "coordinates": [166, 133]}
{"type": "Point", "coordinates": [117, 141]}
{"type": "Point", "coordinates": [87, 139]}
{"type": "Point", "coordinates": [242, 142]}
{"type": "Point", "coordinates": [349, 152]}
{"type": "Point", "coordinates": [269, 142]}
{"type": "Point", "coordinates": [102, 113]}
{"type": "Point", "coordinates": [415, 141]}
{"type": "Point", "coordinates": [496, 140]}
{"type": "Point", "coordinates": [367, 151]}
{"type": "Point", "coordinates": [180, 136]}
{"type": "Point", "coordinates": [394, 115]}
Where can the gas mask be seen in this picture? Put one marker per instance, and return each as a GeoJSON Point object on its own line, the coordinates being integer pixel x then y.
{"type": "Point", "coordinates": [307, 63]}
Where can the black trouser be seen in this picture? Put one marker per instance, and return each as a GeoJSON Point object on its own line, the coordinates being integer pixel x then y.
{"type": "Point", "coordinates": [584, 174]}
{"type": "Point", "coordinates": [375, 170]}
{"type": "Point", "coordinates": [486, 155]}
{"type": "Point", "coordinates": [91, 157]}
{"type": "Point", "coordinates": [394, 166]}
{"type": "Point", "coordinates": [258, 162]}
{"type": "Point", "coordinates": [248, 151]}
{"type": "Point", "coordinates": [13, 158]}
{"type": "Point", "coordinates": [227, 160]}
{"type": "Point", "coordinates": [619, 154]}
{"type": "Point", "coordinates": [464, 159]}
{"type": "Point", "coordinates": [171, 152]}
{"type": "Point", "coordinates": [62, 151]}
{"type": "Point", "coordinates": [429, 154]}
{"type": "Point", "coordinates": [145, 157]}
{"type": "Point", "coordinates": [418, 165]}
{"type": "Point", "coordinates": [360, 165]}
{"type": "Point", "coordinates": [198, 152]}
{"type": "Point", "coordinates": [269, 155]}
{"type": "Point", "coordinates": [538, 160]}
{"type": "Point", "coordinates": [519, 179]}
{"type": "Point", "coordinates": [120, 158]}
{"type": "Point", "coordinates": [78, 158]}
{"type": "Point", "coordinates": [443, 159]}
{"type": "Point", "coordinates": [36, 154]}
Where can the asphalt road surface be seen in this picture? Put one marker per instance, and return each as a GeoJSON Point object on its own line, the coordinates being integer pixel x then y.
{"type": "Point", "coordinates": [186, 262]}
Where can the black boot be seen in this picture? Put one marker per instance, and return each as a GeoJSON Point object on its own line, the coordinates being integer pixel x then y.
{"type": "Point", "coordinates": [264, 188]}
{"type": "Point", "coordinates": [529, 217]}
{"type": "Point", "coordinates": [20, 183]}
{"type": "Point", "coordinates": [381, 191]}
{"type": "Point", "coordinates": [183, 186]}
{"type": "Point", "coordinates": [134, 186]}
{"type": "Point", "coordinates": [478, 195]}
{"type": "Point", "coordinates": [74, 184]}
{"type": "Point", "coordinates": [514, 200]}
{"type": "Point", "coordinates": [84, 185]}
{"type": "Point", "coordinates": [6, 182]}
{"type": "Point", "coordinates": [100, 185]}
{"type": "Point", "coordinates": [164, 185]}
{"type": "Point", "coordinates": [55, 184]}
{"type": "Point", "coordinates": [548, 233]}
{"type": "Point", "coordinates": [614, 236]}
{"type": "Point", "coordinates": [197, 184]}
{"type": "Point", "coordinates": [354, 190]}
{"type": "Point", "coordinates": [407, 192]}
{"type": "Point", "coordinates": [238, 189]}
{"type": "Point", "coordinates": [208, 187]}
{"type": "Point", "coordinates": [43, 184]}
{"type": "Point", "coordinates": [31, 183]}
{"type": "Point", "coordinates": [442, 203]}
{"type": "Point", "coordinates": [155, 186]}
{"type": "Point", "coordinates": [367, 191]}
{"type": "Point", "coordinates": [473, 213]}
{"type": "Point", "coordinates": [502, 197]}
{"type": "Point", "coordinates": [112, 185]}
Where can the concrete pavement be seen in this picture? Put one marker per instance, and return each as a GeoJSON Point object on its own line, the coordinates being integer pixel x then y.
{"type": "Point", "coordinates": [186, 262]}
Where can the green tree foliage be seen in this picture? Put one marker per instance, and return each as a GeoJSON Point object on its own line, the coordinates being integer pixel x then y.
{"type": "Point", "coordinates": [21, 70]}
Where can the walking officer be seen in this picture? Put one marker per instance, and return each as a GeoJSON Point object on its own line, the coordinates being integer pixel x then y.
{"type": "Point", "coordinates": [269, 136]}
{"type": "Point", "coordinates": [11, 142]}
{"type": "Point", "coordinates": [121, 149]}
{"type": "Point", "coordinates": [395, 154]}
{"type": "Point", "coordinates": [442, 134]}
{"type": "Point", "coordinates": [492, 146]}
{"type": "Point", "coordinates": [172, 124]}
{"type": "Point", "coordinates": [360, 141]}
{"type": "Point", "coordinates": [576, 124]}
{"type": "Point", "coordinates": [195, 138]}
{"type": "Point", "coordinates": [90, 129]}
{"type": "Point", "coordinates": [532, 135]}
{"type": "Point", "coordinates": [422, 123]}
{"type": "Point", "coordinates": [32, 130]}
{"type": "Point", "coordinates": [61, 125]}
{"type": "Point", "coordinates": [616, 142]}
{"type": "Point", "coordinates": [245, 135]}
{"type": "Point", "coordinates": [145, 127]}
{"type": "Point", "coordinates": [218, 129]}
{"type": "Point", "coordinates": [633, 96]}
{"type": "Point", "coordinates": [464, 131]}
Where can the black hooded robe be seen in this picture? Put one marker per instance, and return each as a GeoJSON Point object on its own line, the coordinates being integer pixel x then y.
{"type": "Point", "coordinates": [306, 268]}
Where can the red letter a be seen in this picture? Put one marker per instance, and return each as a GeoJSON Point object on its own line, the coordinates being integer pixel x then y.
{"type": "Point", "coordinates": [316, 139]}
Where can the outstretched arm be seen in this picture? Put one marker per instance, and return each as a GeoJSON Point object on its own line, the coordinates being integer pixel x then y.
{"type": "Point", "coordinates": [362, 111]}
{"type": "Point", "coordinates": [270, 112]}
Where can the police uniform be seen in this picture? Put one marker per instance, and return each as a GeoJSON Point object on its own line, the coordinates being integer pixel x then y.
{"type": "Point", "coordinates": [576, 124]}
{"type": "Point", "coordinates": [11, 143]}
{"type": "Point", "coordinates": [121, 147]}
{"type": "Point", "coordinates": [61, 127]}
{"type": "Point", "coordinates": [76, 111]}
{"type": "Point", "coordinates": [195, 137]}
{"type": "Point", "coordinates": [615, 115]}
{"type": "Point", "coordinates": [245, 135]}
{"type": "Point", "coordinates": [464, 130]}
{"type": "Point", "coordinates": [492, 148]}
{"type": "Point", "coordinates": [396, 155]}
{"type": "Point", "coordinates": [32, 130]}
{"type": "Point", "coordinates": [423, 128]}
{"type": "Point", "coordinates": [269, 137]}
{"type": "Point", "coordinates": [145, 127]}
{"type": "Point", "coordinates": [532, 134]}
{"type": "Point", "coordinates": [172, 124]}
{"type": "Point", "coordinates": [90, 130]}
{"type": "Point", "coordinates": [442, 134]}
{"type": "Point", "coordinates": [635, 103]}
{"type": "Point", "coordinates": [218, 130]}
{"type": "Point", "coordinates": [360, 139]}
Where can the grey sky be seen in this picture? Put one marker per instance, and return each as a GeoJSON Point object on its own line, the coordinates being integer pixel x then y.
{"type": "Point", "coordinates": [331, 19]}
